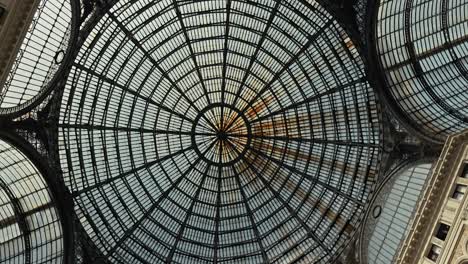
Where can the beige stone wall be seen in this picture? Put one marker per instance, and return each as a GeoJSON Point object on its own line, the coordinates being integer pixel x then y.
{"type": "Point", "coordinates": [455, 249]}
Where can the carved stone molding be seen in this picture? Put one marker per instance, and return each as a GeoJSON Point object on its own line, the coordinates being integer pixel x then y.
{"type": "Point", "coordinates": [433, 198]}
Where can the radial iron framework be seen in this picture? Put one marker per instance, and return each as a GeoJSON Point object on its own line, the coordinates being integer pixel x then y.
{"type": "Point", "coordinates": [219, 131]}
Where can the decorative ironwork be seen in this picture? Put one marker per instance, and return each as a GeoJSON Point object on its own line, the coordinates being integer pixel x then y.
{"type": "Point", "coordinates": [217, 131]}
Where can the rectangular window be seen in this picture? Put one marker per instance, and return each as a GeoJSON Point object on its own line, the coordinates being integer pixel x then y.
{"type": "Point", "coordinates": [434, 253]}
{"type": "Point", "coordinates": [464, 173]}
{"type": "Point", "coordinates": [2, 11]}
{"type": "Point", "coordinates": [442, 231]}
{"type": "Point", "coordinates": [459, 191]}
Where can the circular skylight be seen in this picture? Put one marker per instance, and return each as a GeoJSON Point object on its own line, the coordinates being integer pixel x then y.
{"type": "Point", "coordinates": [219, 131]}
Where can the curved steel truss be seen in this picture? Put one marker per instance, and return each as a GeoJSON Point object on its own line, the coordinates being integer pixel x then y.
{"type": "Point", "coordinates": [219, 131]}
{"type": "Point", "coordinates": [422, 49]}
{"type": "Point", "coordinates": [32, 222]}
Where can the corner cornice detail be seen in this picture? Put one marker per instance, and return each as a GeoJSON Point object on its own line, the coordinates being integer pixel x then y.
{"type": "Point", "coordinates": [433, 198]}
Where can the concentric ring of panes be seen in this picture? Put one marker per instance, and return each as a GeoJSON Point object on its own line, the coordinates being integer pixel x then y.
{"type": "Point", "coordinates": [227, 131]}
{"type": "Point", "coordinates": [30, 226]}
{"type": "Point", "coordinates": [422, 47]}
{"type": "Point", "coordinates": [41, 54]}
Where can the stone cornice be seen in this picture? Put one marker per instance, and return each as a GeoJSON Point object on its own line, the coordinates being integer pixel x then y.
{"type": "Point", "coordinates": [18, 16]}
{"type": "Point", "coordinates": [433, 198]}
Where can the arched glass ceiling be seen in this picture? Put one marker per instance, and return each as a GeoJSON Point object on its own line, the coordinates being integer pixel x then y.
{"type": "Point", "coordinates": [219, 131]}
{"type": "Point", "coordinates": [423, 51]}
{"type": "Point", "coordinates": [40, 56]}
{"type": "Point", "coordinates": [398, 201]}
{"type": "Point", "coordinates": [30, 227]}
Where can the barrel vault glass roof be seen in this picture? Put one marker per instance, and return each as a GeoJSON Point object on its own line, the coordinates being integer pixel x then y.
{"type": "Point", "coordinates": [398, 201]}
{"type": "Point", "coordinates": [423, 51]}
{"type": "Point", "coordinates": [30, 225]}
{"type": "Point", "coordinates": [219, 131]}
{"type": "Point", "coordinates": [40, 56]}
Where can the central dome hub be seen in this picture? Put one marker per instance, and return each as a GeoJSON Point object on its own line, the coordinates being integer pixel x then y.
{"type": "Point", "coordinates": [221, 134]}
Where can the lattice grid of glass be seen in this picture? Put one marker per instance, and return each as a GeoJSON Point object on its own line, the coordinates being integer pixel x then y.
{"type": "Point", "coordinates": [30, 227]}
{"type": "Point", "coordinates": [227, 131]}
{"type": "Point", "coordinates": [399, 205]}
{"type": "Point", "coordinates": [41, 53]}
{"type": "Point", "coordinates": [423, 48]}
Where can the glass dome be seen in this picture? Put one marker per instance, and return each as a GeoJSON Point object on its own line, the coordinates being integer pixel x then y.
{"type": "Point", "coordinates": [422, 48]}
{"type": "Point", "coordinates": [30, 224]}
{"type": "Point", "coordinates": [219, 131]}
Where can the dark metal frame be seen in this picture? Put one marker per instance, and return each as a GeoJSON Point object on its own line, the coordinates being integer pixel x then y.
{"type": "Point", "coordinates": [89, 127]}
{"type": "Point", "coordinates": [376, 75]}
{"type": "Point", "coordinates": [59, 195]}
{"type": "Point", "coordinates": [92, 12]}
{"type": "Point", "coordinates": [344, 11]}
{"type": "Point", "coordinates": [20, 219]}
